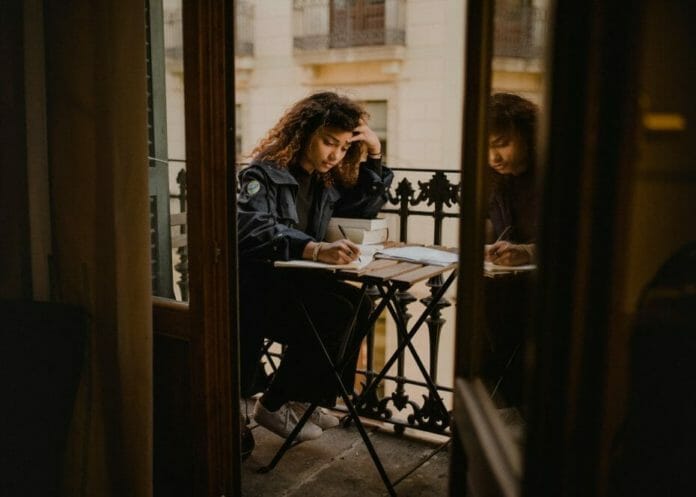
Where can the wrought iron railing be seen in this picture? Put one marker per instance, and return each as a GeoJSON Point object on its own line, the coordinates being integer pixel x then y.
{"type": "Point", "coordinates": [435, 195]}
{"type": "Point", "coordinates": [324, 24]}
{"type": "Point", "coordinates": [179, 241]}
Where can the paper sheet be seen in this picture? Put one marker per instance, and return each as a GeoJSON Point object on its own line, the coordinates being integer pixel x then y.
{"type": "Point", "coordinates": [424, 255]}
{"type": "Point", "coordinates": [489, 267]}
{"type": "Point", "coordinates": [366, 256]}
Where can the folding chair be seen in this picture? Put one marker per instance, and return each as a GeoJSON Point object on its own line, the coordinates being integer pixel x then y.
{"type": "Point", "coordinates": [337, 369]}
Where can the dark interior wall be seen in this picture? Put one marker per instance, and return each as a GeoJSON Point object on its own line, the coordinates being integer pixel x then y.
{"type": "Point", "coordinates": [659, 221]}
{"type": "Point", "coordinates": [664, 187]}
{"type": "Point", "coordinates": [15, 262]}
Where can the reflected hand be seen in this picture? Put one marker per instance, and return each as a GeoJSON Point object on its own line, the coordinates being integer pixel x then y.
{"type": "Point", "coordinates": [509, 254]}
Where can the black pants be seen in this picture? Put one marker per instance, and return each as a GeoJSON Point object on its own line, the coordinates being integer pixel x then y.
{"type": "Point", "coordinates": [507, 311]}
{"type": "Point", "coordinates": [270, 308]}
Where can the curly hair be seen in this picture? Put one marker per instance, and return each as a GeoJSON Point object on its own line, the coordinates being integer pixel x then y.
{"type": "Point", "coordinates": [511, 115]}
{"type": "Point", "coordinates": [286, 142]}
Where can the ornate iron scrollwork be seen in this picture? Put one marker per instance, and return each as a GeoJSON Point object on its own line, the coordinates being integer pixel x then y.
{"type": "Point", "coordinates": [437, 193]}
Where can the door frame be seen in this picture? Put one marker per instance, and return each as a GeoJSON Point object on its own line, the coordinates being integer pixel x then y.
{"type": "Point", "coordinates": [484, 458]}
{"type": "Point", "coordinates": [208, 322]}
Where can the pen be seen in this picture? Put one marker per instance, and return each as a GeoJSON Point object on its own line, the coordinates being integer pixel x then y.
{"type": "Point", "coordinates": [500, 237]}
{"type": "Point", "coordinates": [343, 232]}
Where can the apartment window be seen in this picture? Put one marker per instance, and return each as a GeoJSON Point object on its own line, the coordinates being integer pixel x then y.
{"type": "Point", "coordinates": [357, 23]}
{"type": "Point", "coordinates": [519, 28]}
{"type": "Point", "coordinates": [322, 24]}
{"type": "Point", "coordinates": [378, 121]}
{"type": "Point", "coordinates": [244, 28]}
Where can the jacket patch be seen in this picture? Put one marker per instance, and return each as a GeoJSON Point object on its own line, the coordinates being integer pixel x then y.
{"type": "Point", "coordinates": [253, 187]}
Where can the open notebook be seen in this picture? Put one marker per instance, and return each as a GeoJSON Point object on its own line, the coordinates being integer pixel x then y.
{"type": "Point", "coordinates": [367, 253]}
{"type": "Point", "coordinates": [489, 267]}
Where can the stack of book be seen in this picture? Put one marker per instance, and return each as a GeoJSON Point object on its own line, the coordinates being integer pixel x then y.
{"type": "Point", "coordinates": [360, 231]}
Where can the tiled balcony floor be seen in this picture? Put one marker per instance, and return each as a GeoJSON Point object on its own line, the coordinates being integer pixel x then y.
{"type": "Point", "coordinates": [339, 465]}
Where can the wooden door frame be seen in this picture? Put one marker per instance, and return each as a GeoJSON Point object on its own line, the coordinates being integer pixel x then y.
{"type": "Point", "coordinates": [586, 147]}
{"type": "Point", "coordinates": [209, 95]}
{"type": "Point", "coordinates": [208, 321]}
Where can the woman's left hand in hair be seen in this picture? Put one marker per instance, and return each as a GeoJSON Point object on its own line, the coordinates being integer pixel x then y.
{"type": "Point", "coordinates": [365, 134]}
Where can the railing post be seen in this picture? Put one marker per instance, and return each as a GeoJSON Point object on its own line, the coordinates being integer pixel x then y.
{"type": "Point", "coordinates": [432, 414]}
{"type": "Point", "coordinates": [404, 197]}
{"type": "Point", "coordinates": [399, 397]}
{"type": "Point", "coordinates": [440, 193]}
{"type": "Point", "coordinates": [370, 405]}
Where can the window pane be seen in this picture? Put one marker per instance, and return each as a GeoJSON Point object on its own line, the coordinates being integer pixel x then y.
{"type": "Point", "coordinates": [167, 150]}
{"type": "Point", "coordinates": [378, 121]}
{"type": "Point", "coordinates": [512, 200]}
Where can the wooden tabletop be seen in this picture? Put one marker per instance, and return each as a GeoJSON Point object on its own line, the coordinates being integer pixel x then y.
{"type": "Point", "coordinates": [403, 274]}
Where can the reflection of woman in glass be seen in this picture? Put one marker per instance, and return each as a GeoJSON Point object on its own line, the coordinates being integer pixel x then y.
{"type": "Point", "coordinates": [308, 168]}
{"type": "Point", "coordinates": [512, 208]}
{"type": "Point", "coordinates": [511, 233]}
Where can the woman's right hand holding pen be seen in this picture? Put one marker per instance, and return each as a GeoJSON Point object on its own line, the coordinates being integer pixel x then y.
{"type": "Point", "coordinates": [338, 252]}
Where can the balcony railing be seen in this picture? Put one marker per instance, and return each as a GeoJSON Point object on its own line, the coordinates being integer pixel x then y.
{"type": "Point", "coordinates": [436, 196]}
{"type": "Point", "coordinates": [519, 31]}
{"type": "Point", "coordinates": [327, 24]}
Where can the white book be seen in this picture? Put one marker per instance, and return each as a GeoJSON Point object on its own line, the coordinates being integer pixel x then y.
{"type": "Point", "coordinates": [357, 235]}
{"type": "Point", "coordinates": [358, 223]}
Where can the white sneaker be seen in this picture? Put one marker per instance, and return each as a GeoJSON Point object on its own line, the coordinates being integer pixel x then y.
{"type": "Point", "coordinates": [320, 417]}
{"type": "Point", "coordinates": [283, 421]}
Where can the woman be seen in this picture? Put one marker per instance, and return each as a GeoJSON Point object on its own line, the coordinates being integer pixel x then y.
{"type": "Point", "coordinates": [512, 207]}
{"type": "Point", "coordinates": [308, 168]}
{"type": "Point", "coordinates": [511, 232]}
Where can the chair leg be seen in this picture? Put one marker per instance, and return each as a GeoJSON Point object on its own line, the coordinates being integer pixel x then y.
{"type": "Point", "coordinates": [349, 404]}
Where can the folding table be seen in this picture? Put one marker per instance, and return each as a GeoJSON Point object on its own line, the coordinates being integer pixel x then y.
{"type": "Point", "coordinates": [388, 276]}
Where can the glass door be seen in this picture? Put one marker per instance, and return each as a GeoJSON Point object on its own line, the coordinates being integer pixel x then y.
{"type": "Point", "coordinates": [190, 103]}
{"type": "Point", "coordinates": [502, 177]}
{"type": "Point", "coordinates": [167, 150]}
